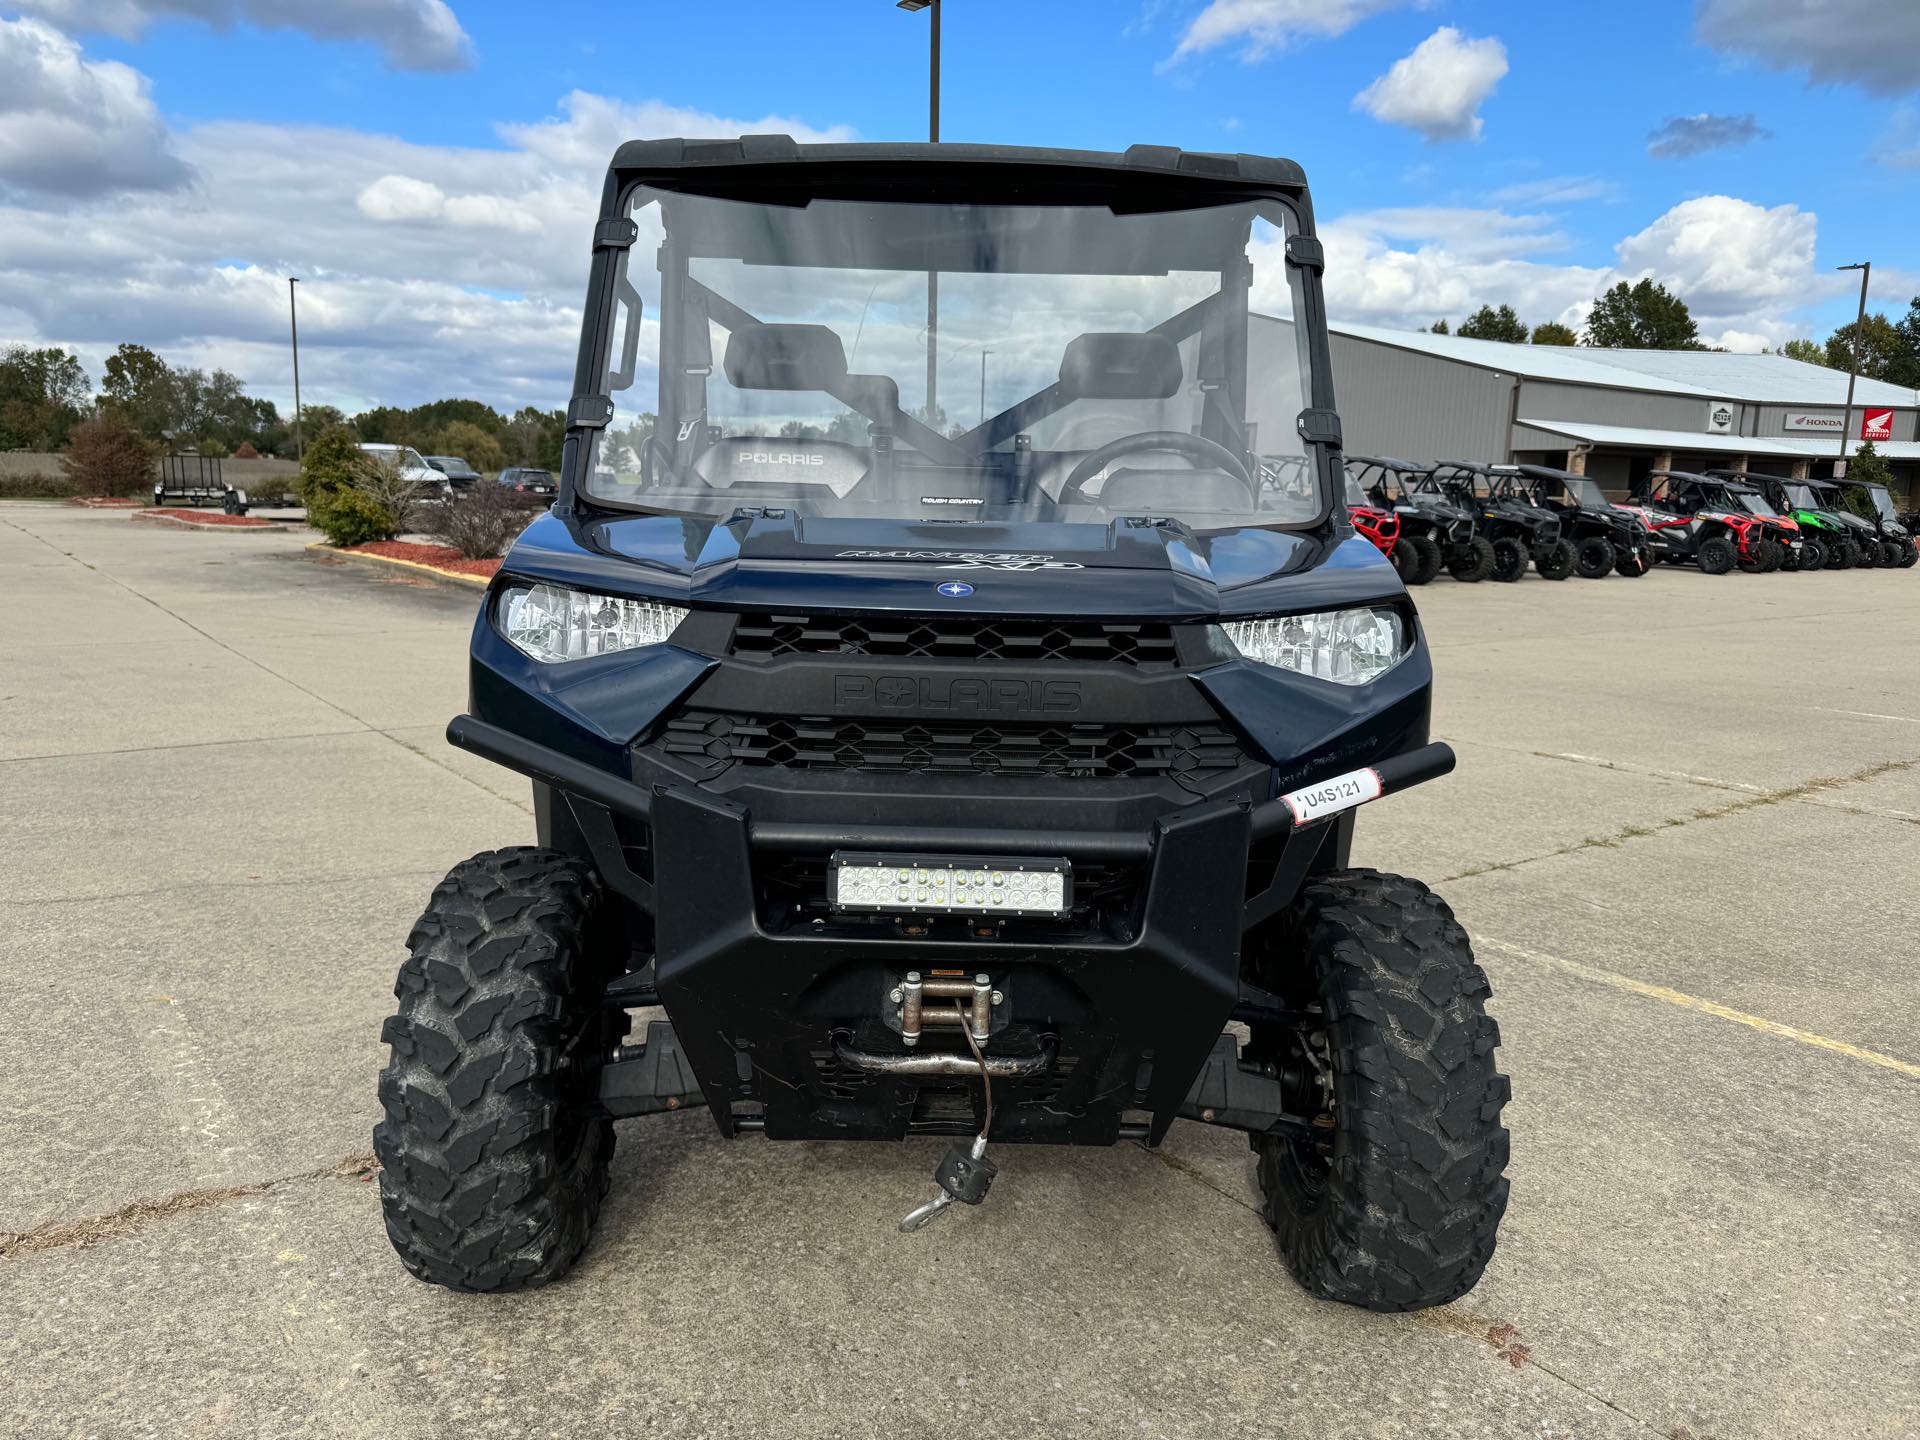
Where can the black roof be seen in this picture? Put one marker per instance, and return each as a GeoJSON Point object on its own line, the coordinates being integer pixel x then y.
{"type": "Point", "coordinates": [736, 160]}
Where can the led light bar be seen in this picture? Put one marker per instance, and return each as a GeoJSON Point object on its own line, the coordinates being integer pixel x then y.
{"type": "Point", "coordinates": [950, 884]}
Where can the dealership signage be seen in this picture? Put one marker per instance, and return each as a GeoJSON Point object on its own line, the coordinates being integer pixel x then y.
{"type": "Point", "coordinates": [1828, 421]}
{"type": "Point", "coordinates": [1719, 417]}
{"type": "Point", "coordinates": [1876, 425]}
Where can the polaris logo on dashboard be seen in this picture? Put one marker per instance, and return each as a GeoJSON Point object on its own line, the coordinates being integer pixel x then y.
{"type": "Point", "coordinates": [967, 559]}
{"type": "Point", "coordinates": [781, 457]}
{"type": "Point", "coordinates": [959, 696]}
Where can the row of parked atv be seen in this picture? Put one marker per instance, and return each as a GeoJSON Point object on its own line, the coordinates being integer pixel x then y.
{"type": "Point", "coordinates": [1494, 522]}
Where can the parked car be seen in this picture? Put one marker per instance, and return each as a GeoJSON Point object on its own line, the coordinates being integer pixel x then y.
{"type": "Point", "coordinates": [411, 465]}
{"type": "Point", "coordinates": [460, 475]}
{"type": "Point", "coordinates": [530, 481]}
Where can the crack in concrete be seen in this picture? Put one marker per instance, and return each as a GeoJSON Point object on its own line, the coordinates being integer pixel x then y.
{"type": "Point", "coordinates": [204, 885]}
{"type": "Point", "coordinates": [132, 1218]}
{"type": "Point", "coordinates": [183, 745]}
{"type": "Point", "coordinates": [1802, 791]}
{"type": "Point", "coordinates": [364, 724]}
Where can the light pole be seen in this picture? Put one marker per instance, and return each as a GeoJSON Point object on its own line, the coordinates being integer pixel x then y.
{"type": "Point", "coordinates": [1865, 267]}
{"type": "Point", "coordinates": [293, 315]}
{"type": "Point", "coordinates": [933, 136]}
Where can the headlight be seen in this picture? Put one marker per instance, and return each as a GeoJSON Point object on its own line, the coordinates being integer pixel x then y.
{"type": "Point", "coordinates": [1348, 647]}
{"type": "Point", "coordinates": [553, 623]}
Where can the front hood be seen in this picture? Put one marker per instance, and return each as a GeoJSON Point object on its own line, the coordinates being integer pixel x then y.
{"type": "Point", "coordinates": [782, 561]}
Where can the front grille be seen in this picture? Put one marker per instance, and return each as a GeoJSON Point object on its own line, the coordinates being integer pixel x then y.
{"type": "Point", "coordinates": [768, 637]}
{"type": "Point", "coordinates": [948, 747]}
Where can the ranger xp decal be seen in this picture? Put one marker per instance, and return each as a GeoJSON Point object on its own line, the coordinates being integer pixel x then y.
{"type": "Point", "coordinates": [967, 559]}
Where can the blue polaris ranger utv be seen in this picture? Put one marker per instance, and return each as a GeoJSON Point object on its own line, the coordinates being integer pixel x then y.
{"type": "Point", "coordinates": [948, 678]}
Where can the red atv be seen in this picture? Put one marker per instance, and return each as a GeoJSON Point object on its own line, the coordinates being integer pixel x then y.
{"type": "Point", "coordinates": [1382, 527]}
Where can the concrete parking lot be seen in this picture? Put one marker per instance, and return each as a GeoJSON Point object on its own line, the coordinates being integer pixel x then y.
{"type": "Point", "coordinates": [1685, 834]}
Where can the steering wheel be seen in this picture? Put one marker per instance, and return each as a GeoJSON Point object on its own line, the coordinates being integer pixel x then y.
{"type": "Point", "coordinates": [1197, 450]}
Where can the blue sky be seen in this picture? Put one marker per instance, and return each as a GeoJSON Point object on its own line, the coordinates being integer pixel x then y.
{"type": "Point", "coordinates": [429, 167]}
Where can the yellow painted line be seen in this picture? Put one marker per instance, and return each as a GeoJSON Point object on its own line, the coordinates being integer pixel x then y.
{"type": "Point", "coordinates": [1707, 1007]}
{"type": "Point", "coordinates": [478, 581]}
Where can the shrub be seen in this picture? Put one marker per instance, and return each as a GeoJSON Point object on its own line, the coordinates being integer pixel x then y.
{"type": "Point", "coordinates": [38, 487]}
{"type": "Point", "coordinates": [348, 517]}
{"type": "Point", "coordinates": [331, 480]}
{"type": "Point", "coordinates": [104, 457]}
{"type": "Point", "coordinates": [480, 522]}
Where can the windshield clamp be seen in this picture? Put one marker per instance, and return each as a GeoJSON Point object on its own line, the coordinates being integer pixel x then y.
{"type": "Point", "coordinates": [1320, 427]}
{"type": "Point", "coordinates": [589, 412]}
{"type": "Point", "coordinates": [615, 234]}
{"type": "Point", "coordinates": [1307, 252]}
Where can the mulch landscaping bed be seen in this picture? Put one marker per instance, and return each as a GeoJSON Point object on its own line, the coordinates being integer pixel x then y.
{"type": "Point", "coordinates": [434, 557]}
{"type": "Point", "coordinates": [206, 520]}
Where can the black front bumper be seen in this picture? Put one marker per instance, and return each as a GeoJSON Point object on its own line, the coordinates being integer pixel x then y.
{"type": "Point", "coordinates": [768, 1002]}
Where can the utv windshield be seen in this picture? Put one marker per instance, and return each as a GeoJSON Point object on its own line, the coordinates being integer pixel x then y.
{"type": "Point", "coordinates": [957, 362]}
{"type": "Point", "coordinates": [1803, 497]}
{"type": "Point", "coordinates": [1882, 502]}
{"type": "Point", "coordinates": [1755, 503]}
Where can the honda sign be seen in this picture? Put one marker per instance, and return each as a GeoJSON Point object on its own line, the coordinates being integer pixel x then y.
{"type": "Point", "coordinates": [1876, 425]}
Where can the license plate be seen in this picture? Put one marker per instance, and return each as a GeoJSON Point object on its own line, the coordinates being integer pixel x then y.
{"type": "Point", "coordinates": [950, 884]}
{"type": "Point", "coordinates": [1330, 797]}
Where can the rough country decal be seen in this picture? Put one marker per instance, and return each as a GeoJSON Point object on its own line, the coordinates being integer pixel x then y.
{"type": "Point", "coordinates": [967, 559]}
{"type": "Point", "coordinates": [952, 500]}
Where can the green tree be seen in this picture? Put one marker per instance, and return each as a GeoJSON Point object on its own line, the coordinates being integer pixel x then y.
{"type": "Point", "coordinates": [534, 437]}
{"type": "Point", "coordinates": [1439, 327]}
{"type": "Point", "coordinates": [1811, 352]}
{"type": "Point", "coordinates": [1643, 316]}
{"type": "Point", "coordinates": [1552, 332]}
{"type": "Point", "coordinates": [384, 425]}
{"type": "Point", "coordinates": [471, 443]}
{"type": "Point", "coordinates": [43, 395]}
{"type": "Point", "coordinates": [1906, 370]}
{"type": "Point", "coordinates": [1874, 344]}
{"type": "Point", "coordinates": [1487, 323]}
{"type": "Point", "coordinates": [140, 390]}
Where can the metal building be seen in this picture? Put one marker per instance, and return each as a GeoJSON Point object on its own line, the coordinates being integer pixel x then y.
{"type": "Point", "coordinates": [1611, 414]}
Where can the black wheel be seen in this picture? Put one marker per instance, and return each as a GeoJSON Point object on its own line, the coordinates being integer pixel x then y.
{"type": "Point", "coordinates": [494, 1158]}
{"type": "Point", "coordinates": [1471, 562]}
{"type": "Point", "coordinates": [1406, 562]}
{"type": "Point", "coordinates": [1840, 553]}
{"type": "Point", "coordinates": [1635, 562]}
{"type": "Point", "coordinates": [1593, 558]}
{"type": "Point", "coordinates": [1889, 555]}
{"type": "Point", "coordinates": [1909, 556]}
{"type": "Point", "coordinates": [1813, 555]}
{"type": "Point", "coordinates": [1509, 560]}
{"type": "Point", "coordinates": [1394, 1199]}
{"type": "Point", "coordinates": [1716, 555]}
{"type": "Point", "coordinates": [1866, 553]}
{"type": "Point", "coordinates": [1555, 561]}
{"type": "Point", "coordinates": [1428, 550]}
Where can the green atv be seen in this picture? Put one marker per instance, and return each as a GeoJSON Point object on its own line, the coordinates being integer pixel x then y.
{"type": "Point", "coordinates": [1829, 538]}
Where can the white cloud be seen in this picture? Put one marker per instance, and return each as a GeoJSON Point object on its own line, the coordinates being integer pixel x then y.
{"type": "Point", "coordinates": [413, 34]}
{"type": "Point", "coordinates": [1744, 270]}
{"type": "Point", "coordinates": [73, 126]}
{"type": "Point", "coordinates": [1439, 88]}
{"type": "Point", "coordinates": [1261, 27]}
{"type": "Point", "coordinates": [425, 270]}
{"type": "Point", "coordinates": [1871, 43]}
{"type": "Point", "coordinates": [1557, 190]}
{"type": "Point", "coordinates": [1729, 259]}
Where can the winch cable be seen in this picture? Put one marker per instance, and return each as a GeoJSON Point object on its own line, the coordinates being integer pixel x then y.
{"type": "Point", "coordinates": [917, 1218]}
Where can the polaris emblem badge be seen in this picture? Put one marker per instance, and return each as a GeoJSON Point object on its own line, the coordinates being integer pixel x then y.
{"type": "Point", "coordinates": [954, 589]}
